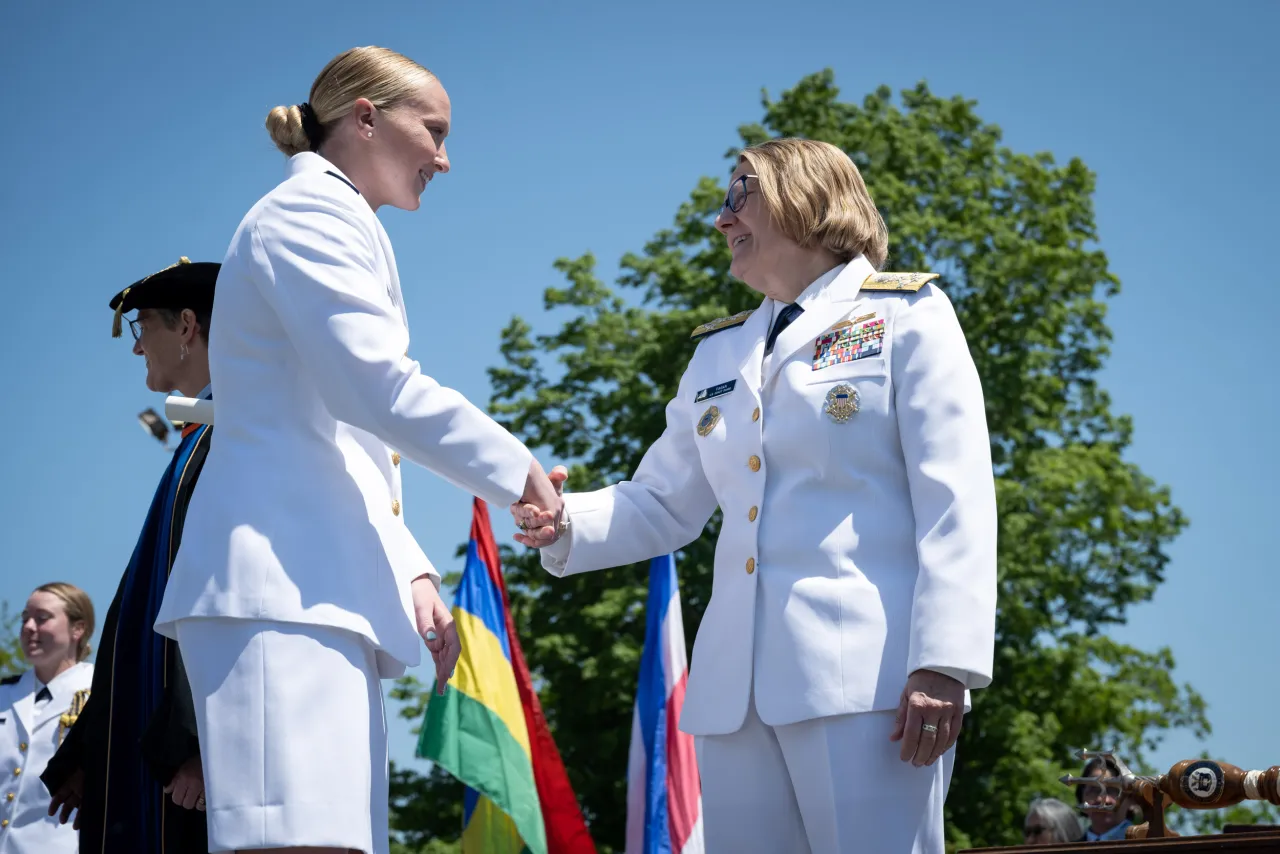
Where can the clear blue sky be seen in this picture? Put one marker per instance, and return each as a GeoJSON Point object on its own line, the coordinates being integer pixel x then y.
{"type": "Point", "coordinates": [134, 135]}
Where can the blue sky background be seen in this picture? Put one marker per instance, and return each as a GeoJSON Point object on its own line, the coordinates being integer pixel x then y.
{"type": "Point", "coordinates": [135, 135]}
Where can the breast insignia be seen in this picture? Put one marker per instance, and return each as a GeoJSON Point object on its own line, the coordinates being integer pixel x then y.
{"type": "Point", "coordinates": [897, 281]}
{"type": "Point", "coordinates": [721, 323]}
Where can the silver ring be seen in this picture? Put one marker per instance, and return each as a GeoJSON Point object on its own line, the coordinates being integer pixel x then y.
{"type": "Point", "coordinates": [928, 727]}
{"type": "Point", "coordinates": [523, 525]}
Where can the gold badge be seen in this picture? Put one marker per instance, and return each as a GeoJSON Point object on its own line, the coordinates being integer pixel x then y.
{"type": "Point", "coordinates": [842, 402]}
{"type": "Point", "coordinates": [708, 421]}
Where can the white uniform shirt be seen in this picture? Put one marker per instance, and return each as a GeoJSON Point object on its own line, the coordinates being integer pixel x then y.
{"type": "Point", "coordinates": [29, 736]}
{"type": "Point", "coordinates": [298, 515]}
{"type": "Point", "coordinates": [853, 552]}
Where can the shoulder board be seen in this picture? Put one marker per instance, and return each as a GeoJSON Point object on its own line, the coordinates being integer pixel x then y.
{"type": "Point", "coordinates": [720, 323]}
{"type": "Point", "coordinates": [897, 281]}
{"type": "Point", "coordinates": [11, 680]}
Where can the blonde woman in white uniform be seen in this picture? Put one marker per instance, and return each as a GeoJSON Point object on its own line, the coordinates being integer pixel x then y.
{"type": "Point", "coordinates": [840, 427]}
{"type": "Point", "coordinates": [297, 585]}
{"type": "Point", "coordinates": [37, 707]}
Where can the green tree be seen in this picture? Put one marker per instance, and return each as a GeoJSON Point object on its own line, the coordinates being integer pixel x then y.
{"type": "Point", "coordinates": [11, 658]}
{"type": "Point", "coordinates": [1083, 532]}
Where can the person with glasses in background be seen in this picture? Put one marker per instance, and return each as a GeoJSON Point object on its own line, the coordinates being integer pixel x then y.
{"type": "Point", "coordinates": [840, 428]}
{"type": "Point", "coordinates": [130, 768]}
{"type": "Point", "coordinates": [36, 709]}
{"type": "Point", "coordinates": [1110, 812]}
{"type": "Point", "coordinates": [1050, 821]}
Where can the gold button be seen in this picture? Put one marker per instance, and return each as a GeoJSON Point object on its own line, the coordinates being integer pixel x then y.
{"type": "Point", "coordinates": [751, 565]}
{"type": "Point", "coordinates": [22, 746]}
{"type": "Point", "coordinates": [755, 416]}
{"type": "Point", "coordinates": [17, 772]}
{"type": "Point", "coordinates": [751, 514]}
{"type": "Point", "coordinates": [4, 823]}
{"type": "Point", "coordinates": [395, 459]}
{"type": "Point", "coordinates": [753, 462]}
{"type": "Point", "coordinates": [9, 796]}
{"type": "Point", "coordinates": [395, 506]}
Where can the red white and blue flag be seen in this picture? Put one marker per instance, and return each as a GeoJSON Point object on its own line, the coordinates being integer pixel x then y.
{"type": "Point", "coordinates": [664, 796]}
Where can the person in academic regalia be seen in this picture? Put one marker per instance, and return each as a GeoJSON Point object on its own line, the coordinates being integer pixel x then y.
{"type": "Point", "coordinates": [131, 763]}
{"type": "Point", "coordinates": [37, 707]}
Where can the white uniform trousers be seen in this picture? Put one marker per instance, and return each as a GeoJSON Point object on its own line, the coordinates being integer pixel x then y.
{"type": "Point", "coordinates": [293, 734]}
{"type": "Point", "coordinates": [831, 785]}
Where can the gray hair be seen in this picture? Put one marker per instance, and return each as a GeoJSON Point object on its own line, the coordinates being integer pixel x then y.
{"type": "Point", "coordinates": [1058, 818]}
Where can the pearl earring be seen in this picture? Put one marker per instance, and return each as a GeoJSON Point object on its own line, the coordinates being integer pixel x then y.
{"type": "Point", "coordinates": [370, 134]}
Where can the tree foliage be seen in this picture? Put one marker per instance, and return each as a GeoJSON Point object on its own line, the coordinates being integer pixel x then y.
{"type": "Point", "coordinates": [1083, 532]}
{"type": "Point", "coordinates": [11, 658]}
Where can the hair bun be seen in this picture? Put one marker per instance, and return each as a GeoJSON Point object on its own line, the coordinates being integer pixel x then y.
{"type": "Point", "coordinates": [285, 126]}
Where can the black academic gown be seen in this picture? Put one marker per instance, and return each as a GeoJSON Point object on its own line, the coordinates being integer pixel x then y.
{"type": "Point", "coordinates": [139, 724]}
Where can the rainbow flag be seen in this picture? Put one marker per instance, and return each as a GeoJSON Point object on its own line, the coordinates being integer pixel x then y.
{"type": "Point", "coordinates": [488, 730]}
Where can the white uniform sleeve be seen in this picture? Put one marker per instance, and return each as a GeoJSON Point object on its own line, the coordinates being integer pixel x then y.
{"type": "Point", "coordinates": [664, 507]}
{"type": "Point", "coordinates": [320, 279]}
{"type": "Point", "coordinates": [943, 430]}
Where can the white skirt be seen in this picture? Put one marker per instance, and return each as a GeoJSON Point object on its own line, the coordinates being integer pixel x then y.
{"type": "Point", "coordinates": [293, 735]}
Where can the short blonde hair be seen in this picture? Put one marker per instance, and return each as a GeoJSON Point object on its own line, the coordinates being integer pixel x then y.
{"type": "Point", "coordinates": [383, 76]}
{"type": "Point", "coordinates": [78, 608]}
{"type": "Point", "coordinates": [816, 195]}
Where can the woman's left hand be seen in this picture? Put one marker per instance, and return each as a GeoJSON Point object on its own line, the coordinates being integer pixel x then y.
{"type": "Point", "coordinates": [930, 714]}
{"type": "Point", "coordinates": [435, 625]}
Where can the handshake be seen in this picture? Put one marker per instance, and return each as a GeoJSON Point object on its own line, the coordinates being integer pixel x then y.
{"type": "Point", "coordinates": [539, 514]}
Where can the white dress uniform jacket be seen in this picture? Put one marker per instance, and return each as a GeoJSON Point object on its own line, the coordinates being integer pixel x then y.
{"type": "Point", "coordinates": [28, 738]}
{"type": "Point", "coordinates": [298, 514]}
{"type": "Point", "coordinates": [851, 554]}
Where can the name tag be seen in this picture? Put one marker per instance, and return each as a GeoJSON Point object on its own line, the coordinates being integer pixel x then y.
{"type": "Point", "coordinates": [715, 391]}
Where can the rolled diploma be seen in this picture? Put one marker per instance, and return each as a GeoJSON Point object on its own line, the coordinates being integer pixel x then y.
{"type": "Point", "coordinates": [188, 410]}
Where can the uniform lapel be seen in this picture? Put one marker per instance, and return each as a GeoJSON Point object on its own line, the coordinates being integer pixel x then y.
{"type": "Point", "coordinates": [749, 346]}
{"type": "Point", "coordinates": [821, 309]}
{"type": "Point", "coordinates": [393, 275]}
{"type": "Point", "coordinates": [25, 708]}
{"type": "Point", "coordinates": [63, 688]}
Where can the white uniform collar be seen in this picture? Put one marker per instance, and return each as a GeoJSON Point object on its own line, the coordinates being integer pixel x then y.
{"type": "Point", "coordinates": [818, 285]}
{"type": "Point", "coordinates": [309, 161]}
{"type": "Point", "coordinates": [62, 686]}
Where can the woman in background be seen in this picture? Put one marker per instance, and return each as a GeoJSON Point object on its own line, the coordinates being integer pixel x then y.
{"type": "Point", "coordinates": [1050, 821]}
{"type": "Point", "coordinates": [37, 707]}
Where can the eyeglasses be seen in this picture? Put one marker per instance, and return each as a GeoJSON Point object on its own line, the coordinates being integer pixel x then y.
{"type": "Point", "coordinates": [1033, 830]}
{"type": "Point", "coordinates": [737, 195]}
{"type": "Point", "coordinates": [135, 326]}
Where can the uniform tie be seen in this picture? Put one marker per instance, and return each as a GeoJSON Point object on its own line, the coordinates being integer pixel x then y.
{"type": "Point", "coordinates": [781, 322]}
{"type": "Point", "coordinates": [44, 696]}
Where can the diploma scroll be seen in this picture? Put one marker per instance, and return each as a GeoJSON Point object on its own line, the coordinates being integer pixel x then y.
{"type": "Point", "coordinates": [188, 410]}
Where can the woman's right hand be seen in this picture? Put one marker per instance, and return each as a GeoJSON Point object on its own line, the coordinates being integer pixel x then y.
{"type": "Point", "coordinates": [436, 627]}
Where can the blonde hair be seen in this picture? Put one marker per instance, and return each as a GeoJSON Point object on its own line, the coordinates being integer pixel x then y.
{"type": "Point", "coordinates": [78, 608]}
{"type": "Point", "coordinates": [816, 195]}
{"type": "Point", "coordinates": [383, 76]}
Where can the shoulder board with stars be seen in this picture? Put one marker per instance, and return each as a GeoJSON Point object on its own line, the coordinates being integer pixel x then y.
{"type": "Point", "coordinates": [713, 326]}
{"type": "Point", "coordinates": [11, 680]}
{"type": "Point", "coordinates": [897, 281]}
